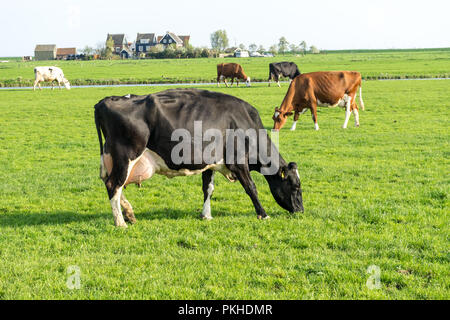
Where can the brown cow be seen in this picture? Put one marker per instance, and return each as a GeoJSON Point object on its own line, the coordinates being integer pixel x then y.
{"type": "Point", "coordinates": [231, 70]}
{"type": "Point", "coordinates": [324, 89]}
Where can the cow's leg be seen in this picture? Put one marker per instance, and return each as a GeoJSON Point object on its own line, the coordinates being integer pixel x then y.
{"type": "Point", "coordinates": [356, 113]}
{"type": "Point", "coordinates": [232, 81]}
{"type": "Point", "coordinates": [314, 116]}
{"type": "Point", "coordinates": [128, 209]}
{"type": "Point", "coordinates": [225, 80]}
{"type": "Point", "coordinates": [347, 112]}
{"type": "Point", "coordinates": [218, 80]}
{"type": "Point", "coordinates": [278, 81]}
{"type": "Point", "coordinates": [296, 116]}
{"type": "Point", "coordinates": [53, 85]}
{"type": "Point", "coordinates": [114, 185]}
{"type": "Point", "coordinates": [294, 124]}
{"type": "Point", "coordinates": [208, 188]}
{"type": "Point", "coordinates": [34, 85]}
{"type": "Point", "coordinates": [243, 174]}
{"type": "Point", "coordinates": [59, 85]}
{"type": "Point", "coordinates": [270, 77]}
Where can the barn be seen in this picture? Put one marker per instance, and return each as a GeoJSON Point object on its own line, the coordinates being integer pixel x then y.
{"type": "Point", "coordinates": [63, 53]}
{"type": "Point", "coordinates": [45, 52]}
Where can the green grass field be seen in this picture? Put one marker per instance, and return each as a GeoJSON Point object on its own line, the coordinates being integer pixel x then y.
{"type": "Point", "coordinates": [372, 65]}
{"type": "Point", "coordinates": [374, 195]}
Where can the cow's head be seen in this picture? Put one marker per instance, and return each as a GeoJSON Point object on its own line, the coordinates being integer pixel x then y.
{"type": "Point", "coordinates": [247, 82]}
{"type": "Point", "coordinates": [279, 118]}
{"type": "Point", "coordinates": [286, 188]}
{"type": "Point", "coordinates": [66, 83]}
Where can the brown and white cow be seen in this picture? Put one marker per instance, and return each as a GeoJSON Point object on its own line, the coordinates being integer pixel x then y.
{"type": "Point", "coordinates": [231, 70]}
{"type": "Point", "coordinates": [324, 89]}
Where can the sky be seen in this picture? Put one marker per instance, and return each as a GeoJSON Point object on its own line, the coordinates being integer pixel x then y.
{"type": "Point", "coordinates": [331, 25]}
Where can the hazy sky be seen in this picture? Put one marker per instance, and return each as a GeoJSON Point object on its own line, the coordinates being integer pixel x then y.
{"type": "Point", "coordinates": [342, 24]}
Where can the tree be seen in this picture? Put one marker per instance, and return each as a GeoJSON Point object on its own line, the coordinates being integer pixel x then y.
{"type": "Point", "coordinates": [253, 47]}
{"type": "Point", "coordinates": [314, 50]}
{"type": "Point", "coordinates": [303, 47]}
{"type": "Point", "coordinates": [283, 45]}
{"type": "Point", "coordinates": [87, 50]}
{"type": "Point", "coordinates": [273, 49]}
{"type": "Point", "coordinates": [242, 46]}
{"type": "Point", "coordinates": [109, 48]}
{"type": "Point", "coordinates": [261, 49]}
{"type": "Point", "coordinates": [219, 40]}
{"type": "Point", "coordinates": [100, 49]}
{"type": "Point", "coordinates": [294, 48]}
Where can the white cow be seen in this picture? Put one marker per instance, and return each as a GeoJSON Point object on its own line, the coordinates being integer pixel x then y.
{"type": "Point", "coordinates": [49, 74]}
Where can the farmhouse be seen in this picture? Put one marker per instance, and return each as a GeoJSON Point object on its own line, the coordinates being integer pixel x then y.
{"type": "Point", "coordinates": [120, 42]}
{"type": "Point", "coordinates": [144, 41]}
{"type": "Point", "coordinates": [45, 52]}
{"type": "Point", "coordinates": [171, 38]}
{"type": "Point", "coordinates": [63, 53]}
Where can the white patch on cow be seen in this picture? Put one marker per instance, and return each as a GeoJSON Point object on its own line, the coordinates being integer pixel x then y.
{"type": "Point", "coordinates": [276, 114]}
{"type": "Point", "coordinates": [150, 163]}
{"type": "Point", "coordinates": [356, 114]}
{"type": "Point", "coordinates": [128, 96]}
{"type": "Point", "coordinates": [303, 111]}
{"type": "Point", "coordinates": [316, 126]}
{"type": "Point", "coordinates": [294, 124]}
{"type": "Point", "coordinates": [247, 82]}
{"type": "Point", "coordinates": [206, 213]}
{"type": "Point", "coordinates": [116, 210]}
{"type": "Point", "coordinates": [296, 171]}
{"type": "Point", "coordinates": [341, 102]}
{"type": "Point", "coordinates": [347, 113]}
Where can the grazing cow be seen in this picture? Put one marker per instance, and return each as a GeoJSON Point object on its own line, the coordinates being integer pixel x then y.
{"type": "Point", "coordinates": [49, 74]}
{"type": "Point", "coordinates": [139, 142]}
{"type": "Point", "coordinates": [231, 70]}
{"type": "Point", "coordinates": [324, 89]}
{"type": "Point", "coordinates": [285, 69]}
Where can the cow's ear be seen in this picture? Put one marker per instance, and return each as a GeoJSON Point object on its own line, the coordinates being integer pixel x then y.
{"type": "Point", "coordinates": [292, 166]}
{"type": "Point", "coordinates": [288, 114]}
{"type": "Point", "coordinates": [283, 172]}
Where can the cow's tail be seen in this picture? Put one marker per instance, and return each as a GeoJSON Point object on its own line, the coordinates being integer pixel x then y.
{"type": "Point", "coordinates": [361, 102]}
{"type": "Point", "coordinates": [99, 129]}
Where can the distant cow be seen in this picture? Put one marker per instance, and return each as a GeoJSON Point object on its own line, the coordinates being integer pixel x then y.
{"type": "Point", "coordinates": [49, 74]}
{"type": "Point", "coordinates": [324, 89]}
{"type": "Point", "coordinates": [285, 69]}
{"type": "Point", "coordinates": [139, 142]}
{"type": "Point", "coordinates": [231, 70]}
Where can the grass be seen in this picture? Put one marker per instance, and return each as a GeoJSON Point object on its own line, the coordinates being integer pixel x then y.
{"type": "Point", "coordinates": [374, 195]}
{"type": "Point", "coordinates": [433, 63]}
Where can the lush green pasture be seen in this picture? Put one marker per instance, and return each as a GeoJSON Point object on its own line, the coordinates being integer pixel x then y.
{"type": "Point", "coordinates": [372, 65]}
{"type": "Point", "coordinates": [374, 195]}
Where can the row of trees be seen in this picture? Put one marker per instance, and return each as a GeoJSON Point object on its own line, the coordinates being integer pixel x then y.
{"type": "Point", "coordinates": [220, 42]}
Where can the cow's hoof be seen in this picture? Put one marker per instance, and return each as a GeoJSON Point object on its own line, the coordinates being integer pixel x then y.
{"type": "Point", "coordinates": [266, 217]}
{"type": "Point", "coordinates": [206, 218]}
{"type": "Point", "coordinates": [357, 125]}
{"type": "Point", "coordinates": [130, 218]}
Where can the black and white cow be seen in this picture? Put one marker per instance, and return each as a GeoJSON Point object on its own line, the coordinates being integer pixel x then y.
{"type": "Point", "coordinates": [139, 142]}
{"type": "Point", "coordinates": [285, 69]}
